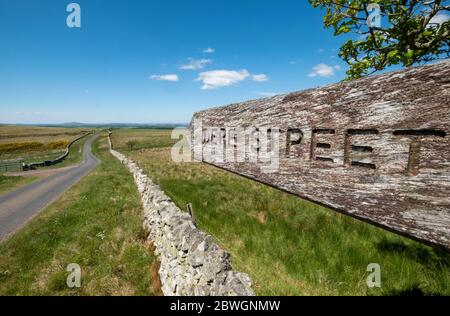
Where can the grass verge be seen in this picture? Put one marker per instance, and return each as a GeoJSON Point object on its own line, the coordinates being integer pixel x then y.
{"type": "Point", "coordinates": [8, 184]}
{"type": "Point", "coordinates": [96, 224]}
{"type": "Point", "coordinates": [290, 246]}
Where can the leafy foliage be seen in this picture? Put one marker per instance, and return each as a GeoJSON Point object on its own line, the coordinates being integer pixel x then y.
{"type": "Point", "coordinates": [409, 32]}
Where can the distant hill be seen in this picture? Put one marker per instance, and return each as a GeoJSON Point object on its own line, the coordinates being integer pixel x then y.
{"type": "Point", "coordinates": [111, 125]}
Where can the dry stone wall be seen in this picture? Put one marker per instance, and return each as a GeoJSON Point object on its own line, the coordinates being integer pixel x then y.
{"type": "Point", "coordinates": [191, 262]}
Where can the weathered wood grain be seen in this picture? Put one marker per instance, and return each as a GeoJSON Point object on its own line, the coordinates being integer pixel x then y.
{"type": "Point", "coordinates": [377, 148]}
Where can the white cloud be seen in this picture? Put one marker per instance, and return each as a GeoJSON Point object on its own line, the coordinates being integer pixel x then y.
{"type": "Point", "coordinates": [260, 78]}
{"type": "Point", "coordinates": [209, 50]}
{"type": "Point", "coordinates": [195, 64]}
{"type": "Point", "coordinates": [170, 77]}
{"type": "Point", "coordinates": [222, 78]}
{"type": "Point", "coordinates": [268, 94]}
{"type": "Point", "coordinates": [337, 67]}
{"type": "Point", "coordinates": [322, 70]}
{"type": "Point", "coordinates": [439, 19]}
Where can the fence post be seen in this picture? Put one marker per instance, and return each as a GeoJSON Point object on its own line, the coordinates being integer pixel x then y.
{"type": "Point", "coordinates": [191, 212]}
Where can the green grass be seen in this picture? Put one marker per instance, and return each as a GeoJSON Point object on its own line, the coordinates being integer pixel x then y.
{"type": "Point", "coordinates": [96, 224]}
{"type": "Point", "coordinates": [8, 184]}
{"type": "Point", "coordinates": [142, 139]}
{"type": "Point", "coordinates": [290, 246]}
{"type": "Point", "coordinates": [76, 152]}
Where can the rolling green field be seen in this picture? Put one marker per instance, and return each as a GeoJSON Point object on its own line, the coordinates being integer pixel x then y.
{"type": "Point", "coordinates": [96, 224]}
{"type": "Point", "coordinates": [143, 138]}
{"type": "Point", "coordinates": [287, 245]}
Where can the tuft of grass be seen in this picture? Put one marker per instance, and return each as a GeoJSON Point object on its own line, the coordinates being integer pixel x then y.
{"type": "Point", "coordinates": [290, 246]}
{"type": "Point", "coordinates": [96, 224]}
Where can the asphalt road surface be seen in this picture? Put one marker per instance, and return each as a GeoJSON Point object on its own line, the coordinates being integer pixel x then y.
{"type": "Point", "coordinates": [19, 206]}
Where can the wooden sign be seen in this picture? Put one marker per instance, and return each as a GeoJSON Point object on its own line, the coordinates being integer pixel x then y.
{"type": "Point", "coordinates": [377, 148]}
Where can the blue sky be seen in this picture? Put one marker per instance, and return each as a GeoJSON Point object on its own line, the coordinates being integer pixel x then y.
{"type": "Point", "coordinates": [156, 61]}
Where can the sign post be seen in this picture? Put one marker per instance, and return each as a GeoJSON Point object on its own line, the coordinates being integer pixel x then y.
{"type": "Point", "coordinates": [376, 148]}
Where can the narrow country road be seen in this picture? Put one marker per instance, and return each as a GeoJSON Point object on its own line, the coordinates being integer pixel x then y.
{"type": "Point", "coordinates": [19, 206]}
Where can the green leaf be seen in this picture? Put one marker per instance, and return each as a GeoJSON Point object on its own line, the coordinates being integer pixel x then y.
{"type": "Point", "coordinates": [403, 38]}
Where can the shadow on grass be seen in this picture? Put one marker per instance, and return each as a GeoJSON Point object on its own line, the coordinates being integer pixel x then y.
{"type": "Point", "coordinates": [411, 291]}
{"type": "Point", "coordinates": [416, 252]}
